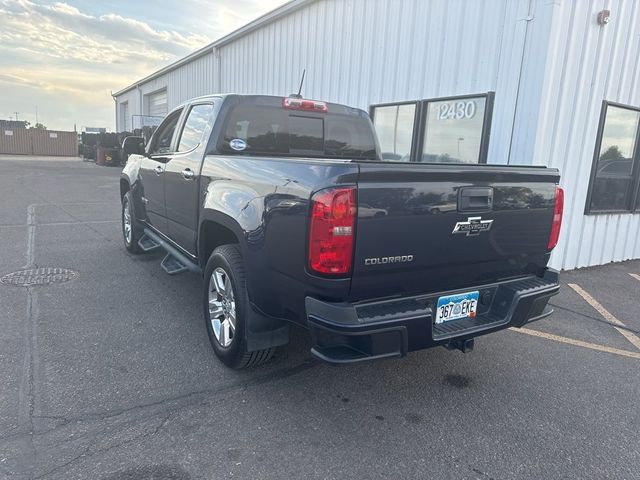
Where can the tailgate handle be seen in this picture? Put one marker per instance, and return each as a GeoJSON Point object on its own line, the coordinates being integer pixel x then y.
{"type": "Point", "coordinates": [475, 199]}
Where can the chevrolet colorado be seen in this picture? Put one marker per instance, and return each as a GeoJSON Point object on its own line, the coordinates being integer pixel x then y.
{"type": "Point", "coordinates": [287, 209]}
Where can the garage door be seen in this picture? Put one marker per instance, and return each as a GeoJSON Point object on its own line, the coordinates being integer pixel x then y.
{"type": "Point", "coordinates": [157, 104]}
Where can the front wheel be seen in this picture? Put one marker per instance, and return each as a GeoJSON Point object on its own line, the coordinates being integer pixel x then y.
{"type": "Point", "coordinates": [226, 305]}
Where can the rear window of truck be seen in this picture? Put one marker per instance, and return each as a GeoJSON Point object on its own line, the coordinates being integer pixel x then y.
{"type": "Point", "coordinates": [271, 130]}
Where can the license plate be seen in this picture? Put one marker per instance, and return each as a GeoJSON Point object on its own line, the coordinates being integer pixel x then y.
{"type": "Point", "coordinates": [454, 307]}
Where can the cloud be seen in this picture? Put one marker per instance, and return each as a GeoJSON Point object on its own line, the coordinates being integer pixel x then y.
{"type": "Point", "coordinates": [62, 32]}
{"type": "Point", "coordinates": [71, 61]}
{"type": "Point", "coordinates": [225, 16]}
{"type": "Point", "coordinates": [80, 84]}
{"type": "Point", "coordinates": [76, 58]}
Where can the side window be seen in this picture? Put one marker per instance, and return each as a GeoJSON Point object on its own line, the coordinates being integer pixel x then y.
{"type": "Point", "coordinates": [194, 127]}
{"type": "Point", "coordinates": [164, 134]}
{"type": "Point", "coordinates": [394, 127]}
{"type": "Point", "coordinates": [614, 181]}
{"type": "Point", "coordinates": [454, 130]}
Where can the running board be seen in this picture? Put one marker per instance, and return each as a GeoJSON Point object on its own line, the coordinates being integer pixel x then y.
{"type": "Point", "coordinates": [148, 244]}
{"type": "Point", "coordinates": [175, 261]}
{"type": "Point", "coordinates": [172, 265]}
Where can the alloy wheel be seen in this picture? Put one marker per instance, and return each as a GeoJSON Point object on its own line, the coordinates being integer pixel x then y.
{"type": "Point", "coordinates": [222, 307]}
{"type": "Point", "coordinates": [126, 221]}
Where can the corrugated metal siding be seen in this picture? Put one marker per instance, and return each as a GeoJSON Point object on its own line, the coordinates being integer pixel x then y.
{"type": "Point", "coordinates": [362, 52]}
{"type": "Point", "coordinates": [15, 141]}
{"type": "Point", "coordinates": [132, 99]}
{"type": "Point", "coordinates": [39, 142]}
{"type": "Point", "coordinates": [588, 63]}
{"type": "Point", "coordinates": [190, 80]}
{"type": "Point", "coordinates": [52, 142]}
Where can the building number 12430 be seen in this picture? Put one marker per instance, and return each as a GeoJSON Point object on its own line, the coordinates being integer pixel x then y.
{"type": "Point", "coordinates": [457, 110]}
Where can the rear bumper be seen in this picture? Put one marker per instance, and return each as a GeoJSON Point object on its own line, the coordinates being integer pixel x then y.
{"type": "Point", "coordinates": [348, 333]}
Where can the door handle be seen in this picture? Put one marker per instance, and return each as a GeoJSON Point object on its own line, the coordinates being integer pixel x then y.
{"type": "Point", "coordinates": [188, 174]}
{"type": "Point", "coordinates": [475, 199]}
{"type": "Point", "coordinates": [159, 170]}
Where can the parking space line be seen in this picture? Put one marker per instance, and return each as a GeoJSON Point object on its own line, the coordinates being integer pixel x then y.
{"type": "Point", "coordinates": [68, 204]}
{"type": "Point", "coordinates": [635, 275]}
{"type": "Point", "coordinates": [31, 234]}
{"type": "Point", "coordinates": [89, 222]}
{"type": "Point", "coordinates": [55, 224]}
{"type": "Point", "coordinates": [606, 314]}
{"type": "Point", "coordinates": [577, 343]}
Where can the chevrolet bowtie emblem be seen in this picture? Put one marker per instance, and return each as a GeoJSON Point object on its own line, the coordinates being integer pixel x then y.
{"type": "Point", "coordinates": [473, 226]}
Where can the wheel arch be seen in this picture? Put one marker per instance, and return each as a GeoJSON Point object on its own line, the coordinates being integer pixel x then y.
{"type": "Point", "coordinates": [217, 229]}
{"type": "Point", "coordinates": [125, 186]}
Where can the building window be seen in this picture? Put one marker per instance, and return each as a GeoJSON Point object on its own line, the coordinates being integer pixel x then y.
{"type": "Point", "coordinates": [441, 130]}
{"type": "Point", "coordinates": [453, 130]}
{"type": "Point", "coordinates": [394, 125]}
{"type": "Point", "coordinates": [615, 172]}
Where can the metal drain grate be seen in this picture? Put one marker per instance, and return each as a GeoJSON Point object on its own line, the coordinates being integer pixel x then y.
{"type": "Point", "coordinates": [38, 276]}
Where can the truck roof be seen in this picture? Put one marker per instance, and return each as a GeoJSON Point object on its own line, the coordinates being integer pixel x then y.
{"type": "Point", "coordinates": [240, 95]}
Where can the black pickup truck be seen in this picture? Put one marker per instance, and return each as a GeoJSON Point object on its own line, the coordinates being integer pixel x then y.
{"type": "Point", "coordinates": [287, 209]}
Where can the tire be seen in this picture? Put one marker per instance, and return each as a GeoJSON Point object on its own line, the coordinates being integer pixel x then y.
{"type": "Point", "coordinates": [131, 229]}
{"type": "Point", "coordinates": [226, 328]}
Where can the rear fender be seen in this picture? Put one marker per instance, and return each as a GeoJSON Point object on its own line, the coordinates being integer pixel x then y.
{"type": "Point", "coordinates": [263, 331]}
{"type": "Point", "coordinates": [235, 201]}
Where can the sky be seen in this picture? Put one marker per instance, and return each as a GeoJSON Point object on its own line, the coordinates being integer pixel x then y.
{"type": "Point", "coordinates": [63, 59]}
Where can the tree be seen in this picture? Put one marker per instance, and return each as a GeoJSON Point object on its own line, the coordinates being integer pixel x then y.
{"type": "Point", "coordinates": [39, 126]}
{"type": "Point", "coordinates": [612, 153]}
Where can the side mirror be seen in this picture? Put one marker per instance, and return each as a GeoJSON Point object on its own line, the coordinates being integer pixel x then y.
{"type": "Point", "coordinates": [133, 146]}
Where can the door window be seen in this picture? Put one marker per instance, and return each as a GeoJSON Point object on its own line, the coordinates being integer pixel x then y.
{"type": "Point", "coordinates": [162, 139]}
{"type": "Point", "coordinates": [194, 127]}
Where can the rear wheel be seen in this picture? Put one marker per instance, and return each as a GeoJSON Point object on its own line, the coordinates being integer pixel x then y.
{"type": "Point", "coordinates": [226, 305]}
{"type": "Point", "coordinates": [131, 230]}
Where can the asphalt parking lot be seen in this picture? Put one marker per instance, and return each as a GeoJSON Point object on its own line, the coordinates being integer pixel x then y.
{"type": "Point", "coordinates": [110, 375]}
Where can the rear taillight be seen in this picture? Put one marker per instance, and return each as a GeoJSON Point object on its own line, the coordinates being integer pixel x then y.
{"type": "Point", "coordinates": [289, 103]}
{"type": "Point", "coordinates": [333, 213]}
{"type": "Point", "coordinates": [557, 219]}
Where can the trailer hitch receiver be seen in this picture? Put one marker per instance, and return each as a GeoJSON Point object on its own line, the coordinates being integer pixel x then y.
{"type": "Point", "coordinates": [465, 346]}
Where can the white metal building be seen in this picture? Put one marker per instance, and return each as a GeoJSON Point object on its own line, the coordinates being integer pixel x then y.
{"type": "Point", "coordinates": [554, 82]}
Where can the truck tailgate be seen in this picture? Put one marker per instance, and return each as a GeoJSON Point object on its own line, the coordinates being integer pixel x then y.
{"type": "Point", "coordinates": [407, 214]}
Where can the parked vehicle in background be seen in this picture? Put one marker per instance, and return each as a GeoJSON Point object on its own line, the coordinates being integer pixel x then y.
{"type": "Point", "coordinates": [287, 209]}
